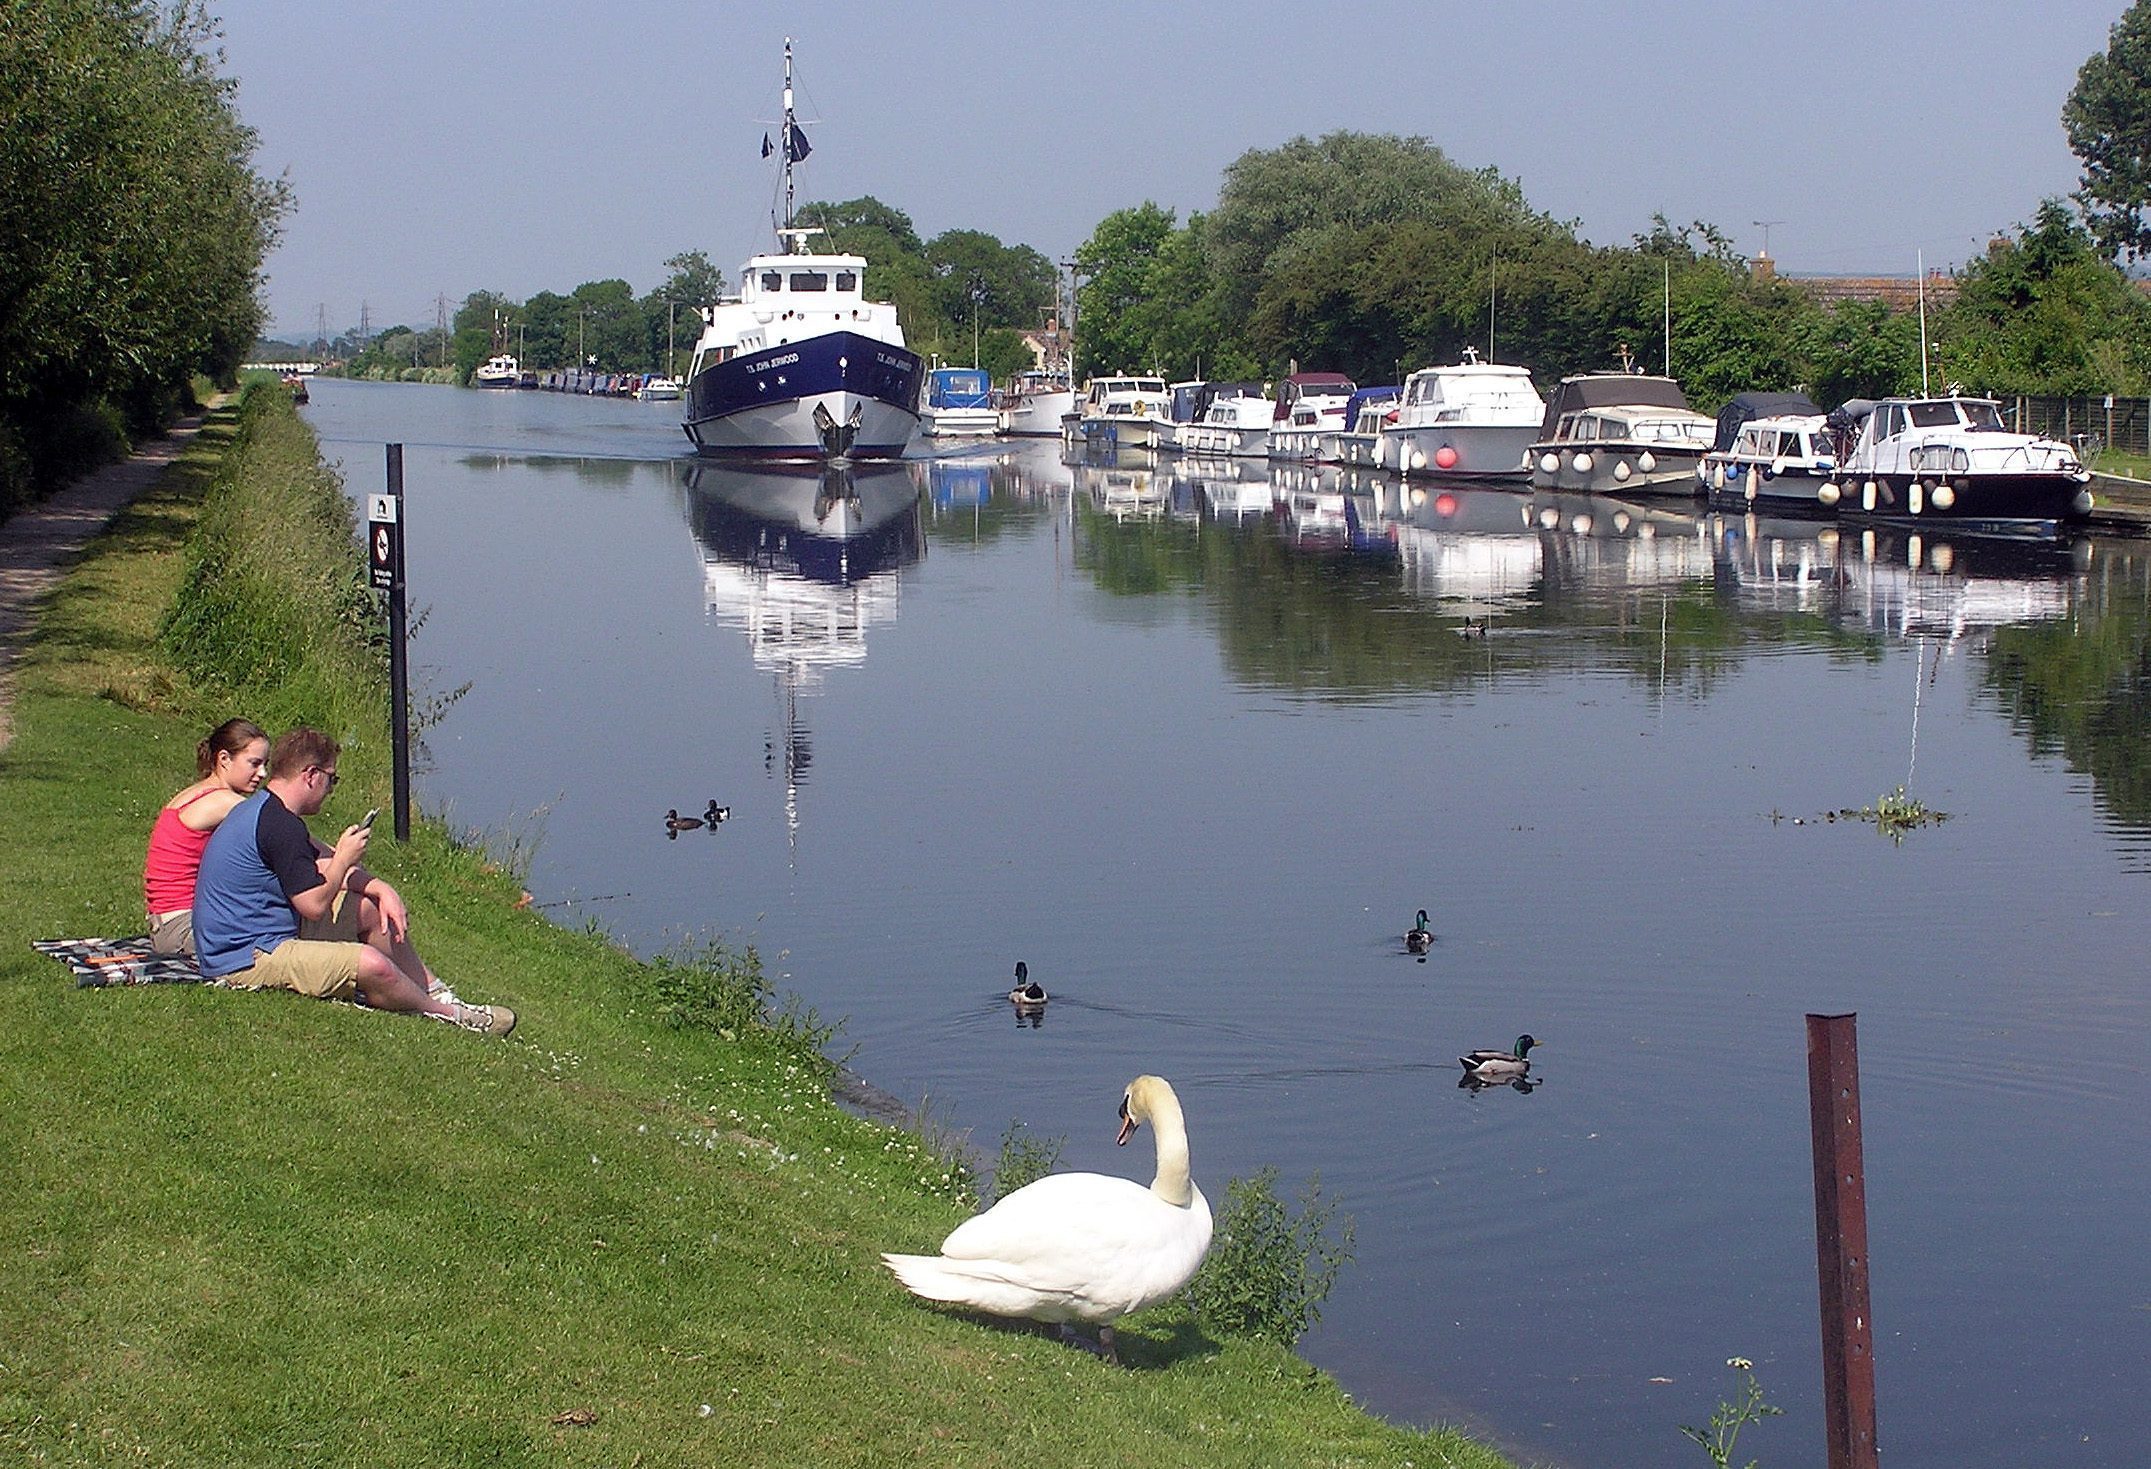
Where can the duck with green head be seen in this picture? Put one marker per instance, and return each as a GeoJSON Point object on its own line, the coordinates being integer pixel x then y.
{"type": "Point", "coordinates": [1419, 938]}
{"type": "Point", "coordinates": [1499, 1065]}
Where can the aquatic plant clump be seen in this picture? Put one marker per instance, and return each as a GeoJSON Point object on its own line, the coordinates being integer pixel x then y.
{"type": "Point", "coordinates": [1896, 813]}
{"type": "Point", "coordinates": [1270, 1267]}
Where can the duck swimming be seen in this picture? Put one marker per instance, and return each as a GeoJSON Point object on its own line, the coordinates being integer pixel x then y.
{"type": "Point", "coordinates": [1419, 938]}
{"type": "Point", "coordinates": [717, 813]}
{"type": "Point", "coordinates": [1079, 1246]}
{"type": "Point", "coordinates": [1028, 991]}
{"type": "Point", "coordinates": [1497, 1066]}
{"type": "Point", "coordinates": [676, 822]}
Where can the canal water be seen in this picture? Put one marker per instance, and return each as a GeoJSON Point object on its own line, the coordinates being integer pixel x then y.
{"type": "Point", "coordinates": [1196, 744]}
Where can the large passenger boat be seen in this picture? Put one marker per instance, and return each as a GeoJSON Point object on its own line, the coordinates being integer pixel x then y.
{"type": "Point", "coordinates": [800, 365]}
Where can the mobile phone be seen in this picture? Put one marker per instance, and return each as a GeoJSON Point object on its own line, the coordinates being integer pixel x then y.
{"type": "Point", "coordinates": [366, 821]}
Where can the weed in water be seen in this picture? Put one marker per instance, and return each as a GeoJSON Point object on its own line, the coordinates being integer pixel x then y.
{"type": "Point", "coordinates": [1269, 1267]}
{"type": "Point", "coordinates": [1024, 1159]}
{"type": "Point", "coordinates": [1895, 814]}
{"type": "Point", "coordinates": [1732, 1416]}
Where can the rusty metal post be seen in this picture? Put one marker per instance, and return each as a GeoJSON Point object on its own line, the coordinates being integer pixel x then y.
{"type": "Point", "coordinates": [1848, 1360]}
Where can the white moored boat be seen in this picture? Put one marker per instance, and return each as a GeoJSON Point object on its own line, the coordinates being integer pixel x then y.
{"type": "Point", "coordinates": [958, 405]}
{"type": "Point", "coordinates": [1953, 460]}
{"type": "Point", "coordinates": [1309, 405]}
{"type": "Point", "coordinates": [1034, 403]}
{"type": "Point", "coordinates": [800, 365]}
{"type": "Point", "coordinates": [1121, 413]}
{"type": "Point", "coordinates": [1234, 426]}
{"type": "Point", "coordinates": [498, 371]}
{"type": "Point", "coordinates": [1473, 419]}
{"type": "Point", "coordinates": [1620, 433]}
{"type": "Point", "coordinates": [1773, 451]}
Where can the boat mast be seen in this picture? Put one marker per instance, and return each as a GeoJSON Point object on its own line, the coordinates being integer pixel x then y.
{"type": "Point", "coordinates": [1921, 258]}
{"type": "Point", "coordinates": [787, 134]}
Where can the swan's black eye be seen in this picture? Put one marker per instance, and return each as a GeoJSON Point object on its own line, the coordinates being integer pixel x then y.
{"type": "Point", "coordinates": [1124, 1109]}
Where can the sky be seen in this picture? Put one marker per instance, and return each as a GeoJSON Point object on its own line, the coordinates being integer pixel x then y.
{"type": "Point", "coordinates": [528, 145]}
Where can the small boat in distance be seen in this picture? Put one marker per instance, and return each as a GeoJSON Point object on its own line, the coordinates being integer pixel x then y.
{"type": "Point", "coordinates": [498, 371]}
{"type": "Point", "coordinates": [1034, 403]}
{"type": "Point", "coordinates": [659, 390]}
{"type": "Point", "coordinates": [958, 404]}
{"type": "Point", "coordinates": [1620, 433]}
{"type": "Point", "coordinates": [1472, 419]}
{"type": "Point", "coordinates": [1121, 413]}
{"type": "Point", "coordinates": [800, 365]}
{"type": "Point", "coordinates": [1953, 460]}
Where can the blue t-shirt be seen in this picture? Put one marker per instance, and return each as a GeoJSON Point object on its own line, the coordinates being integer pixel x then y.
{"type": "Point", "coordinates": [257, 860]}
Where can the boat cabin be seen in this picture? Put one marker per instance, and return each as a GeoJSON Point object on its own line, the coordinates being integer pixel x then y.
{"type": "Point", "coordinates": [1473, 390]}
{"type": "Point", "coordinates": [1626, 408]}
{"type": "Point", "coordinates": [1143, 397]}
{"type": "Point", "coordinates": [790, 297]}
{"type": "Point", "coordinates": [958, 387]}
{"type": "Point", "coordinates": [1330, 385]}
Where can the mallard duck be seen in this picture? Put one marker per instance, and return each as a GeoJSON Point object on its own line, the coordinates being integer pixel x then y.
{"type": "Point", "coordinates": [1028, 991]}
{"type": "Point", "coordinates": [717, 813]}
{"type": "Point", "coordinates": [1499, 1065]}
{"type": "Point", "coordinates": [676, 822]}
{"type": "Point", "coordinates": [1419, 938]}
{"type": "Point", "coordinates": [1079, 1246]}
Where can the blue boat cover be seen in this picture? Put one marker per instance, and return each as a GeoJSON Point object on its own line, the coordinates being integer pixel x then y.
{"type": "Point", "coordinates": [957, 387]}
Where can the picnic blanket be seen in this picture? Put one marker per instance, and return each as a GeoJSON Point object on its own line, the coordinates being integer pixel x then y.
{"type": "Point", "coordinates": [100, 962]}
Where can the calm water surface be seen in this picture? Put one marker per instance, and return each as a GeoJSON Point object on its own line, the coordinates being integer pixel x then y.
{"type": "Point", "coordinates": [1195, 745]}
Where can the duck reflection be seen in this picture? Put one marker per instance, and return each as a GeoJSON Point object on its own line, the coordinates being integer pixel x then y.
{"type": "Point", "coordinates": [1478, 1084]}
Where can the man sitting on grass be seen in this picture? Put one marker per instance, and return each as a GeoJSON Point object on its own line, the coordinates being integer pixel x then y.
{"type": "Point", "coordinates": [275, 909]}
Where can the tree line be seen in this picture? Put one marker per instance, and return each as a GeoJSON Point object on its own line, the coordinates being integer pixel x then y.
{"type": "Point", "coordinates": [132, 235]}
{"type": "Point", "coordinates": [962, 295]}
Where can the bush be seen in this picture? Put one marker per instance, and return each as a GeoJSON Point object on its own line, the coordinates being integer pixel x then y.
{"type": "Point", "coordinates": [1024, 1159]}
{"type": "Point", "coordinates": [1270, 1268]}
{"type": "Point", "coordinates": [715, 990]}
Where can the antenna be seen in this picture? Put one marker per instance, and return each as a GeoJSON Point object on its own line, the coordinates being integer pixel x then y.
{"type": "Point", "coordinates": [1764, 226]}
{"type": "Point", "coordinates": [1493, 272]}
{"type": "Point", "coordinates": [1921, 257]}
{"type": "Point", "coordinates": [1669, 317]}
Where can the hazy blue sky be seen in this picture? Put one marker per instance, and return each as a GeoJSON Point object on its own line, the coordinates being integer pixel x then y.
{"type": "Point", "coordinates": [524, 145]}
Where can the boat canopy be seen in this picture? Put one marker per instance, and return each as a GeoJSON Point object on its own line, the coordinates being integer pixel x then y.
{"type": "Point", "coordinates": [1747, 406]}
{"type": "Point", "coordinates": [1363, 396]}
{"type": "Point", "coordinates": [957, 387]}
{"type": "Point", "coordinates": [1610, 390]}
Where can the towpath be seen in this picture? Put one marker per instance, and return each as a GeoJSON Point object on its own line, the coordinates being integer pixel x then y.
{"type": "Point", "coordinates": [38, 544]}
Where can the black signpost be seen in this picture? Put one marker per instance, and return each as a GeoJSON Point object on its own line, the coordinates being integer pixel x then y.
{"type": "Point", "coordinates": [384, 559]}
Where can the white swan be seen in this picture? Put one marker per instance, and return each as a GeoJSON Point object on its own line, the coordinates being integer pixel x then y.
{"type": "Point", "coordinates": [1079, 1246]}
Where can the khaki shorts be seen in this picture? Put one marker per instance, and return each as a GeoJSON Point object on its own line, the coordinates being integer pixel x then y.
{"type": "Point", "coordinates": [172, 934]}
{"type": "Point", "coordinates": [322, 962]}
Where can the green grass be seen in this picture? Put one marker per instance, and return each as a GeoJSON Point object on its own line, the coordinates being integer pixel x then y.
{"type": "Point", "coordinates": [255, 1229]}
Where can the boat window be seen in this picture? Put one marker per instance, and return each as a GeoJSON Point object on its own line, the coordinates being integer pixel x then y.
{"type": "Point", "coordinates": [772, 280]}
{"type": "Point", "coordinates": [847, 280]}
{"type": "Point", "coordinates": [1934, 415]}
{"type": "Point", "coordinates": [1982, 415]}
{"type": "Point", "coordinates": [1889, 420]}
{"type": "Point", "coordinates": [810, 280]}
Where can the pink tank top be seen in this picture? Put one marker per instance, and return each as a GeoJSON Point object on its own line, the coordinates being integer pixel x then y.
{"type": "Point", "coordinates": [175, 856]}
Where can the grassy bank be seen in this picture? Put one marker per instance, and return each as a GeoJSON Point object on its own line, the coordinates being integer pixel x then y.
{"type": "Point", "coordinates": [257, 1229]}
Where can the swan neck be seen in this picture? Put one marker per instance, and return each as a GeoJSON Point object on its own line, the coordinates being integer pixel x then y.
{"type": "Point", "coordinates": [1172, 1183]}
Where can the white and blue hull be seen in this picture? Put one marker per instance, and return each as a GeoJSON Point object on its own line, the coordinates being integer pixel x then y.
{"type": "Point", "coordinates": [838, 395]}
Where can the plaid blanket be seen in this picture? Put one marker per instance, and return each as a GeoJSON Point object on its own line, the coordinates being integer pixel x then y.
{"type": "Point", "coordinates": [100, 962]}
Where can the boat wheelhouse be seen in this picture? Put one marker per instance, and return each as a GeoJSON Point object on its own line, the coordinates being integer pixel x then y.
{"type": "Point", "coordinates": [1309, 405]}
{"type": "Point", "coordinates": [1954, 460]}
{"type": "Point", "coordinates": [958, 404]}
{"type": "Point", "coordinates": [800, 365]}
{"type": "Point", "coordinates": [497, 371]}
{"type": "Point", "coordinates": [1236, 424]}
{"type": "Point", "coordinates": [1472, 419]}
{"type": "Point", "coordinates": [1619, 433]}
{"type": "Point", "coordinates": [1772, 450]}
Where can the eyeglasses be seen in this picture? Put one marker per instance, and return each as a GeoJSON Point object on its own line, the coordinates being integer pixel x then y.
{"type": "Point", "coordinates": [330, 774]}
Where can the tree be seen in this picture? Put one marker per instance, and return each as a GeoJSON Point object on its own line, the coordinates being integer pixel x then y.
{"type": "Point", "coordinates": [2108, 120]}
{"type": "Point", "coordinates": [2047, 313]}
{"type": "Point", "coordinates": [479, 330]}
{"type": "Point", "coordinates": [1115, 263]}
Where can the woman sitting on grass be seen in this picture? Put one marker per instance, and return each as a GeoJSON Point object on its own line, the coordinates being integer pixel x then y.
{"type": "Point", "coordinates": [231, 761]}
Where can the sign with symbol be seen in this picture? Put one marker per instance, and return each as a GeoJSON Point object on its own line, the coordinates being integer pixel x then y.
{"type": "Point", "coordinates": [382, 529]}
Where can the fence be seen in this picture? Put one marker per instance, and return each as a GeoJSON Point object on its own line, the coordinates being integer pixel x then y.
{"type": "Point", "coordinates": [2089, 423]}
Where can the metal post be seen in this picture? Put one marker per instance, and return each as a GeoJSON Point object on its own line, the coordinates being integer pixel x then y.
{"type": "Point", "coordinates": [399, 691]}
{"type": "Point", "coordinates": [1848, 1364]}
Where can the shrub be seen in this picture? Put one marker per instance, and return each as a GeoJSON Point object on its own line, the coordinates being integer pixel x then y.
{"type": "Point", "coordinates": [1024, 1159]}
{"type": "Point", "coordinates": [1269, 1267]}
{"type": "Point", "coordinates": [723, 992]}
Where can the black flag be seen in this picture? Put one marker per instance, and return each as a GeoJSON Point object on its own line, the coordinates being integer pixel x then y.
{"type": "Point", "coordinates": [795, 145]}
{"type": "Point", "coordinates": [766, 149]}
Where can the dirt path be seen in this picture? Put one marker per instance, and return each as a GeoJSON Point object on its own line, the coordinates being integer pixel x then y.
{"type": "Point", "coordinates": [37, 545]}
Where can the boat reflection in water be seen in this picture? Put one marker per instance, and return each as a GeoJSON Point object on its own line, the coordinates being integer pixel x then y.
{"type": "Point", "coordinates": [1132, 490]}
{"type": "Point", "coordinates": [803, 562]}
{"type": "Point", "coordinates": [1887, 579]}
{"type": "Point", "coordinates": [1471, 544]}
